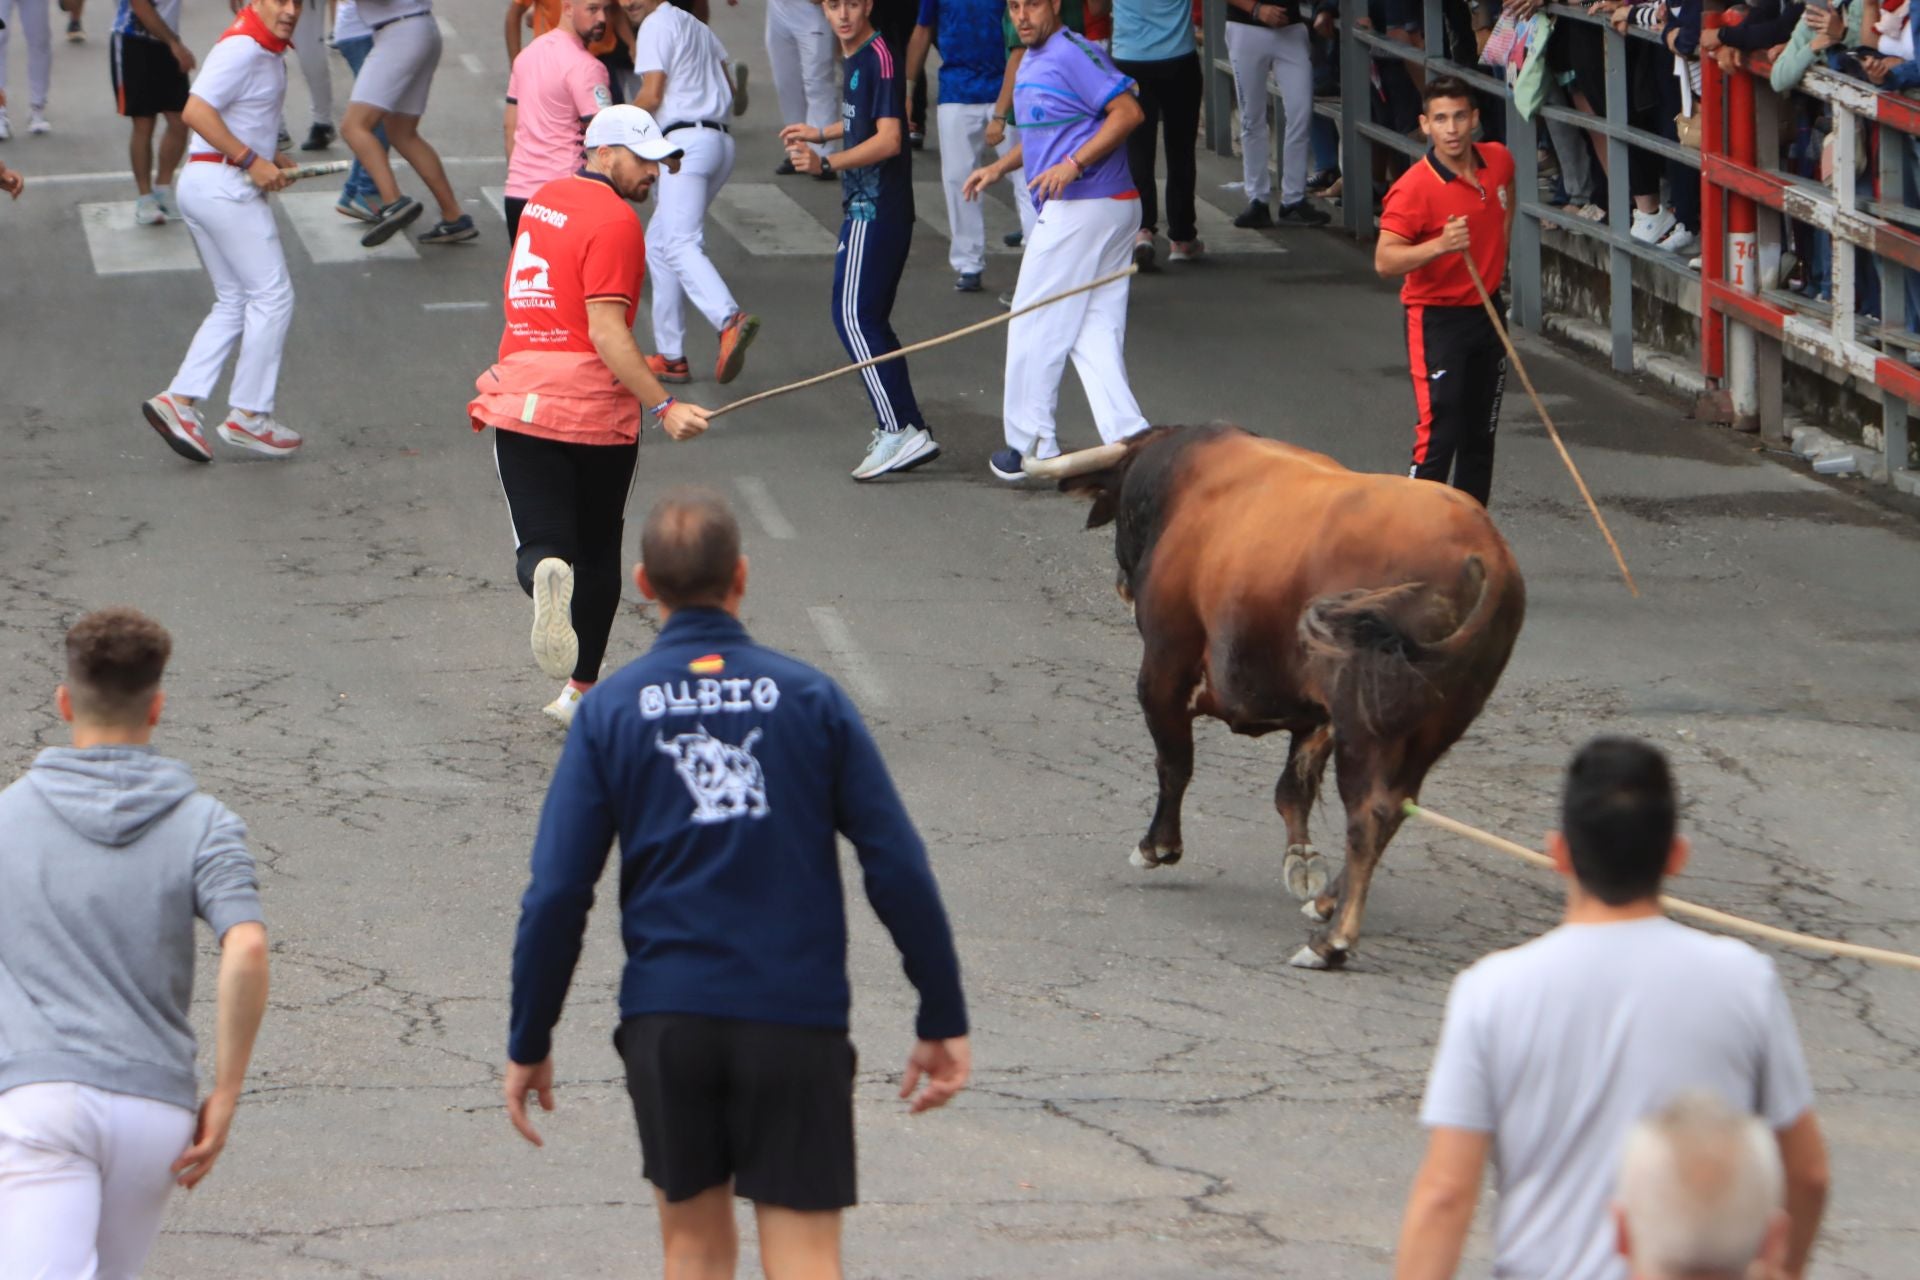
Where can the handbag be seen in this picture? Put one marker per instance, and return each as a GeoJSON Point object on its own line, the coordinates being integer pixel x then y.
{"type": "Point", "coordinates": [1527, 66]}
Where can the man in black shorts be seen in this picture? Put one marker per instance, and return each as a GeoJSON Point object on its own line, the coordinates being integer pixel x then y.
{"type": "Point", "coordinates": [150, 70]}
{"type": "Point", "coordinates": [726, 770]}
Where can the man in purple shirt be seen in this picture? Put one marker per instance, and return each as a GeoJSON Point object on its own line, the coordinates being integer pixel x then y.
{"type": "Point", "coordinates": [1074, 111]}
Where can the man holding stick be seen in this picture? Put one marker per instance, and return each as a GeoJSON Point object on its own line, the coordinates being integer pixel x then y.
{"type": "Point", "coordinates": [1453, 208]}
{"type": "Point", "coordinates": [1074, 110]}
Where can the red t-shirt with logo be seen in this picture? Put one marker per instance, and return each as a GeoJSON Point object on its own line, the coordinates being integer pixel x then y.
{"type": "Point", "coordinates": [578, 241]}
{"type": "Point", "coordinates": [1417, 209]}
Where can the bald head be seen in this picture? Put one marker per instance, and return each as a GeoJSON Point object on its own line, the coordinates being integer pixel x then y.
{"type": "Point", "coordinates": [690, 550]}
{"type": "Point", "coordinates": [1700, 1192]}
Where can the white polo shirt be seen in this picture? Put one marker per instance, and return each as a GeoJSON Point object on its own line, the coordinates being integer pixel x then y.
{"type": "Point", "coordinates": [377, 13]}
{"type": "Point", "coordinates": [247, 84]}
{"type": "Point", "coordinates": [673, 41]}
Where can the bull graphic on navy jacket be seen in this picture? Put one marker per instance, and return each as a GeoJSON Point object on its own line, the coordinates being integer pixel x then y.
{"type": "Point", "coordinates": [725, 781]}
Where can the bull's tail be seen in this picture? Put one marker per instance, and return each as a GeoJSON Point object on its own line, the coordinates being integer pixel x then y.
{"type": "Point", "coordinates": [1363, 648]}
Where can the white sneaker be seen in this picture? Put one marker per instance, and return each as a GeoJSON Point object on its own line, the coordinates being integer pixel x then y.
{"type": "Point", "coordinates": [165, 196]}
{"type": "Point", "coordinates": [37, 122]}
{"type": "Point", "coordinates": [179, 426]}
{"type": "Point", "coordinates": [896, 451]}
{"type": "Point", "coordinates": [563, 707]}
{"type": "Point", "coordinates": [1652, 228]}
{"type": "Point", "coordinates": [1680, 241]}
{"type": "Point", "coordinates": [147, 211]}
{"type": "Point", "coordinates": [258, 433]}
{"type": "Point", "coordinates": [6, 125]}
{"type": "Point", "coordinates": [555, 647]}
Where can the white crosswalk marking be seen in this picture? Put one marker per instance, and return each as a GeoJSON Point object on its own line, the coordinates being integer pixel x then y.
{"type": "Point", "coordinates": [330, 237]}
{"type": "Point", "coordinates": [119, 247]}
{"type": "Point", "coordinates": [768, 221]}
{"type": "Point", "coordinates": [930, 202]}
{"type": "Point", "coordinates": [496, 200]}
{"type": "Point", "coordinates": [1223, 238]}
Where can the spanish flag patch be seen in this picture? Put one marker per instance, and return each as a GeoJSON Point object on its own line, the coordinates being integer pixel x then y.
{"type": "Point", "coordinates": [711, 665]}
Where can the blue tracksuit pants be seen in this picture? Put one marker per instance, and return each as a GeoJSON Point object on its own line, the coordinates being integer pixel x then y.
{"type": "Point", "coordinates": [866, 275]}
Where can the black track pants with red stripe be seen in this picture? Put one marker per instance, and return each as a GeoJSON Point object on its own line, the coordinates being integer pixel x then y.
{"type": "Point", "coordinates": [1459, 371]}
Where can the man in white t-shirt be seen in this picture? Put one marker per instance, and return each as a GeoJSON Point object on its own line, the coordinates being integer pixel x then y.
{"type": "Point", "coordinates": [684, 82]}
{"type": "Point", "coordinates": [1551, 1051]}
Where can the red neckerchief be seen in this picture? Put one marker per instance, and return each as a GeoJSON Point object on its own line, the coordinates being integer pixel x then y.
{"type": "Point", "coordinates": [247, 23]}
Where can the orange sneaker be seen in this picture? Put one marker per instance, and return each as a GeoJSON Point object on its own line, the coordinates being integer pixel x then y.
{"type": "Point", "coordinates": [734, 339]}
{"type": "Point", "coordinates": [669, 370]}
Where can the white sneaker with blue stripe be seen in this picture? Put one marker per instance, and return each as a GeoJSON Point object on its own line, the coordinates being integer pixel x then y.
{"type": "Point", "coordinates": [896, 451]}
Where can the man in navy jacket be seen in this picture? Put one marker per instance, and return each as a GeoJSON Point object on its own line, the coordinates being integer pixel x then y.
{"type": "Point", "coordinates": [726, 770]}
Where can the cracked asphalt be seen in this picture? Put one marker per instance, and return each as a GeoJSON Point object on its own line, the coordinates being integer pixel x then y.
{"type": "Point", "coordinates": [1158, 1093]}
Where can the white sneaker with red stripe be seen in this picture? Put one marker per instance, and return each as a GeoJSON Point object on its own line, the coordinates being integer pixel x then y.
{"type": "Point", "coordinates": [260, 433]}
{"type": "Point", "coordinates": [179, 426]}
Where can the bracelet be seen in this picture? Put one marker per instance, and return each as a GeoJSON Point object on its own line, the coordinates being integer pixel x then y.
{"type": "Point", "coordinates": [246, 159]}
{"type": "Point", "coordinates": [1075, 162]}
{"type": "Point", "coordinates": [660, 410]}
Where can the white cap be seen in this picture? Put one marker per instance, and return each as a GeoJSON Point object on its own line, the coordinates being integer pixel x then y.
{"type": "Point", "coordinates": [625, 125]}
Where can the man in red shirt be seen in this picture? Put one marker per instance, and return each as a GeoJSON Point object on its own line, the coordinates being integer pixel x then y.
{"type": "Point", "coordinates": [1455, 203]}
{"type": "Point", "coordinates": [566, 396]}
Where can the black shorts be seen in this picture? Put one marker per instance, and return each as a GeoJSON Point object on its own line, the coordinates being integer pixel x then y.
{"type": "Point", "coordinates": [146, 80]}
{"type": "Point", "coordinates": [765, 1106]}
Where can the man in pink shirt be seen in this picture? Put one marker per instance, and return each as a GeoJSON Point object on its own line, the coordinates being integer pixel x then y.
{"type": "Point", "coordinates": [555, 89]}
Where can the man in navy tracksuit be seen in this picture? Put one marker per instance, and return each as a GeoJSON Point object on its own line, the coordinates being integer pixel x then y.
{"type": "Point", "coordinates": [876, 185]}
{"type": "Point", "coordinates": [726, 769]}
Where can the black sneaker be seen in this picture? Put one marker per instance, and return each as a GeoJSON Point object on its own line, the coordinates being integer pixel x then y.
{"type": "Point", "coordinates": [393, 218]}
{"type": "Point", "coordinates": [461, 228]}
{"type": "Point", "coordinates": [1013, 239]}
{"type": "Point", "coordinates": [917, 139]}
{"type": "Point", "coordinates": [319, 138]}
{"type": "Point", "coordinates": [1301, 214]}
{"type": "Point", "coordinates": [967, 282]}
{"type": "Point", "coordinates": [1255, 217]}
{"type": "Point", "coordinates": [1322, 180]}
{"type": "Point", "coordinates": [75, 33]}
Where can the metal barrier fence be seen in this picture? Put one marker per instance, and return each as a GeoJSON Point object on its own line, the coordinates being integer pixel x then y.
{"type": "Point", "coordinates": [1739, 125]}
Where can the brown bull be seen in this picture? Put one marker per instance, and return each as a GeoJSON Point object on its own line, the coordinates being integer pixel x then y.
{"type": "Point", "coordinates": [1369, 616]}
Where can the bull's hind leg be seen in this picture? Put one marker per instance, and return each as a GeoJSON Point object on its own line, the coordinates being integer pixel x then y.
{"type": "Point", "coordinates": [1374, 814]}
{"type": "Point", "coordinates": [1307, 754]}
{"type": "Point", "coordinates": [1166, 692]}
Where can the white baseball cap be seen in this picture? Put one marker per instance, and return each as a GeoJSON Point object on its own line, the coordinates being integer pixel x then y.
{"type": "Point", "coordinates": [625, 125]}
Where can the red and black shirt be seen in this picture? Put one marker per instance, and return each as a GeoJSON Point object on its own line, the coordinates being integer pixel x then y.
{"type": "Point", "coordinates": [1426, 196]}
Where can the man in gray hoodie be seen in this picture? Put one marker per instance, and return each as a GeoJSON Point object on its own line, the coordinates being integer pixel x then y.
{"type": "Point", "coordinates": [107, 854]}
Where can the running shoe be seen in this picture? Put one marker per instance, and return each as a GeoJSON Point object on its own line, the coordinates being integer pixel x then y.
{"type": "Point", "coordinates": [785, 169]}
{"type": "Point", "coordinates": [555, 647]}
{"type": "Point", "coordinates": [260, 433]}
{"type": "Point", "coordinates": [283, 141]}
{"type": "Point", "coordinates": [739, 88]}
{"type": "Point", "coordinates": [917, 139]}
{"type": "Point", "coordinates": [1651, 228]}
{"type": "Point", "coordinates": [1005, 463]}
{"type": "Point", "coordinates": [147, 211]}
{"type": "Point", "coordinates": [179, 426]}
{"type": "Point", "coordinates": [6, 125]}
{"type": "Point", "coordinates": [967, 282]}
{"type": "Point", "coordinates": [1013, 239]}
{"type": "Point", "coordinates": [1301, 214]}
{"type": "Point", "coordinates": [674, 371]}
{"type": "Point", "coordinates": [75, 35]}
{"type": "Point", "coordinates": [563, 707]}
{"type": "Point", "coordinates": [391, 220]}
{"type": "Point", "coordinates": [901, 450]}
{"type": "Point", "coordinates": [319, 138]}
{"type": "Point", "coordinates": [358, 206]}
{"type": "Point", "coordinates": [735, 338]}
{"type": "Point", "coordinates": [1143, 249]}
{"type": "Point", "coordinates": [1186, 250]}
{"type": "Point", "coordinates": [1256, 217]}
{"type": "Point", "coordinates": [164, 194]}
{"type": "Point", "coordinates": [37, 121]}
{"type": "Point", "coordinates": [1006, 300]}
{"type": "Point", "coordinates": [454, 232]}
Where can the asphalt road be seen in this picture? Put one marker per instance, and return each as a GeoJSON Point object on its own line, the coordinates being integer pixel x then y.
{"type": "Point", "coordinates": [1158, 1094]}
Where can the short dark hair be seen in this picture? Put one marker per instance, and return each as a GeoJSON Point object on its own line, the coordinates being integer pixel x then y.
{"type": "Point", "coordinates": [1618, 815]}
{"type": "Point", "coordinates": [1445, 87]}
{"type": "Point", "coordinates": [689, 547]}
{"type": "Point", "coordinates": [115, 658]}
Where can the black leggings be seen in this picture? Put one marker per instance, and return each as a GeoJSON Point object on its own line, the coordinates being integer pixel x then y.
{"type": "Point", "coordinates": [512, 206]}
{"type": "Point", "coordinates": [1170, 93]}
{"type": "Point", "coordinates": [569, 501]}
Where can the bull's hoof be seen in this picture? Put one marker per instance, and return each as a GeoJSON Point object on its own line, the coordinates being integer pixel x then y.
{"type": "Point", "coordinates": [1307, 958]}
{"type": "Point", "coordinates": [1149, 859]}
{"type": "Point", "coordinates": [1320, 953]}
{"type": "Point", "coordinates": [1319, 910]}
{"type": "Point", "coordinates": [1305, 872]}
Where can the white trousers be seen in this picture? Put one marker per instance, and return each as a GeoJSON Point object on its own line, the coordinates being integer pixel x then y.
{"type": "Point", "coordinates": [310, 45]}
{"type": "Point", "coordinates": [801, 46]}
{"type": "Point", "coordinates": [1022, 197]}
{"type": "Point", "coordinates": [1284, 53]}
{"type": "Point", "coordinates": [84, 1179]}
{"type": "Point", "coordinates": [1074, 241]}
{"type": "Point", "coordinates": [677, 240]}
{"type": "Point", "coordinates": [30, 16]}
{"type": "Point", "coordinates": [233, 228]}
{"type": "Point", "coordinates": [962, 130]}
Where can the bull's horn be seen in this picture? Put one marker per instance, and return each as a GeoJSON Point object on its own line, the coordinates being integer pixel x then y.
{"type": "Point", "coordinates": [1079, 463]}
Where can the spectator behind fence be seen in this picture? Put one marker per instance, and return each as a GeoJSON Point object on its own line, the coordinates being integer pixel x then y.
{"type": "Point", "coordinates": [1153, 47]}
{"type": "Point", "coordinates": [108, 852]}
{"type": "Point", "coordinates": [1699, 1195]}
{"type": "Point", "coordinates": [1551, 1051]}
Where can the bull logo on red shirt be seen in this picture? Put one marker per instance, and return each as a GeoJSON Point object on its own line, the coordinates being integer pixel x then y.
{"type": "Point", "coordinates": [528, 278]}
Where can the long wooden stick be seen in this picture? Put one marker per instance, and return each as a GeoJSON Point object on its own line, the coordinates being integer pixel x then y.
{"type": "Point", "coordinates": [1519, 367]}
{"type": "Point", "coordinates": [318, 170]}
{"type": "Point", "coordinates": [922, 346]}
{"type": "Point", "coordinates": [1679, 906]}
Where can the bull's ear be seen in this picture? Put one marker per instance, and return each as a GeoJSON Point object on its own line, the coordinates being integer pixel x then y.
{"type": "Point", "coordinates": [1104, 488]}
